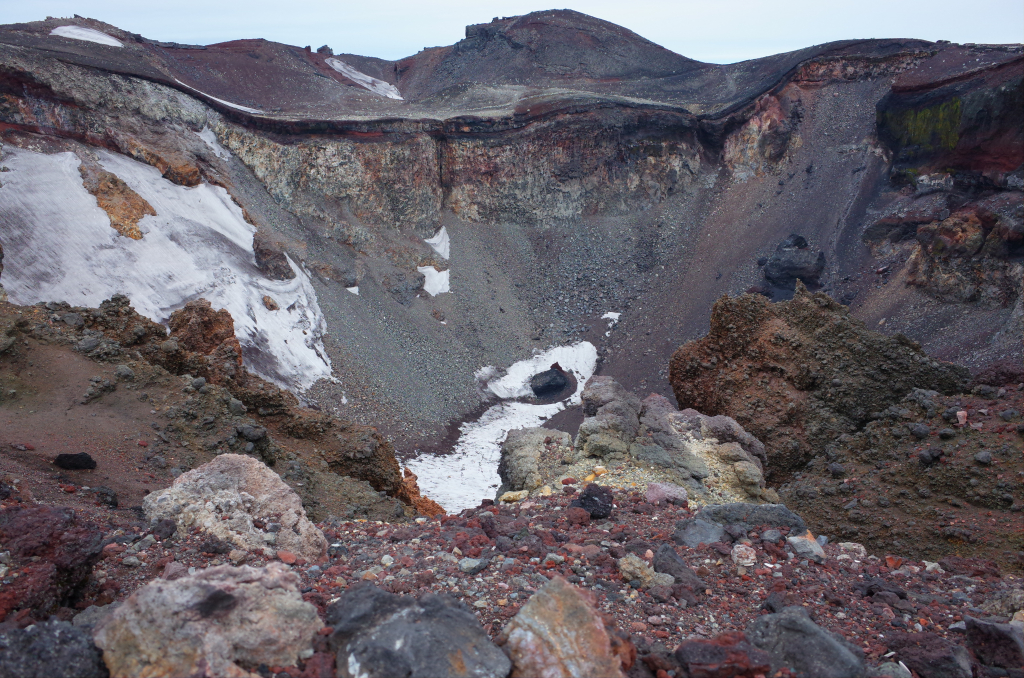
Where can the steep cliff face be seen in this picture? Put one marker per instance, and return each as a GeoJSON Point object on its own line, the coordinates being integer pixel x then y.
{"type": "Point", "coordinates": [577, 169]}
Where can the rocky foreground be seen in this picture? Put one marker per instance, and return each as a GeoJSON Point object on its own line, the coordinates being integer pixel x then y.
{"type": "Point", "coordinates": [224, 577]}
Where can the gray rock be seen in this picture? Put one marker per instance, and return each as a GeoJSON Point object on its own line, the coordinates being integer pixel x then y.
{"type": "Point", "coordinates": [995, 644]}
{"type": "Point", "coordinates": [379, 635]}
{"type": "Point", "coordinates": [87, 344]}
{"type": "Point", "coordinates": [236, 407]}
{"type": "Point", "coordinates": [793, 641]}
{"type": "Point", "coordinates": [751, 515]}
{"type": "Point", "coordinates": [519, 466]}
{"type": "Point", "coordinates": [947, 434]}
{"type": "Point", "coordinates": [919, 431]}
{"type": "Point", "coordinates": [472, 566]}
{"type": "Point", "coordinates": [667, 561]}
{"type": "Point", "coordinates": [124, 373]}
{"type": "Point", "coordinates": [788, 264]}
{"type": "Point", "coordinates": [771, 535]}
{"type": "Point", "coordinates": [1009, 415]}
{"type": "Point", "coordinates": [53, 649]}
{"type": "Point", "coordinates": [611, 416]}
{"type": "Point", "coordinates": [984, 457]}
{"type": "Point", "coordinates": [198, 383]}
{"type": "Point", "coordinates": [696, 531]}
{"type": "Point", "coordinates": [73, 320]}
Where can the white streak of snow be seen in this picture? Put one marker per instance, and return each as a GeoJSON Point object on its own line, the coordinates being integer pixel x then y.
{"type": "Point", "coordinates": [354, 290]}
{"type": "Point", "coordinates": [238, 107]}
{"type": "Point", "coordinates": [611, 315]}
{"type": "Point", "coordinates": [87, 34]}
{"type": "Point", "coordinates": [210, 139]}
{"type": "Point", "coordinates": [440, 242]}
{"type": "Point", "coordinates": [59, 246]}
{"type": "Point", "coordinates": [385, 89]}
{"type": "Point", "coordinates": [436, 281]}
{"type": "Point", "coordinates": [460, 480]}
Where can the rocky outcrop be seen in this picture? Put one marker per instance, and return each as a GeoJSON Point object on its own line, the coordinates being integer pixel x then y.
{"type": "Point", "coordinates": [125, 207]}
{"type": "Point", "coordinates": [238, 499]}
{"type": "Point", "coordinates": [559, 633]}
{"type": "Point", "coordinates": [223, 623]}
{"type": "Point", "coordinates": [520, 465]}
{"type": "Point", "coordinates": [377, 634]}
{"type": "Point", "coordinates": [695, 451]}
{"type": "Point", "coordinates": [410, 494]}
{"type": "Point", "coordinates": [270, 259]}
{"type": "Point", "coordinates": [53, 551]}
{"type": "Point", "coordinates": [799, 373]}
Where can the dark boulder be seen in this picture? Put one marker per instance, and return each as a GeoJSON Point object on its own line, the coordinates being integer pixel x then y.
{"type": "Point", "coordinates": [931, 656]}
{"type": "Point", "coordinates": [53, 649]}
{"type": "Point", "coordinates": [270, 260]}
{"type": "Point", "coordinates": [549, 382]}
{"type": "Point", "coordinates": [81, 461]}
{"type": "Point", "coordinates": [595, 500]}
{"type": "Point", "coordinates": [786, 266]}
{"type": "Point", "coordinates": [382, 635]}
{"type": "Point", "coordinates": [752, 515]}
{"type": "Point", "coordinates": [995, 644]}
{"type": "Point", "coordinates": [793, 641]}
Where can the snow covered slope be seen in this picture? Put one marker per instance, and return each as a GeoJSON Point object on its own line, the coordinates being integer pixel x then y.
{"type": "Point", "coordinates": [59, 246]}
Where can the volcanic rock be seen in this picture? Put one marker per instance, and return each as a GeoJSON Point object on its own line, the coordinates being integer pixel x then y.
{"type": "Point", "coordinates": [213, 623]}
{"type": "Point", "coordinates": [379, 634]}
{"type": "Point", "coordinates": [53, 649]}
{"type": "Point", "coordinates": [560, 634]}
{"type": "Point", "coordinates": [549, 383]}
{"type": "Point", "coordinates": [595, 500]}
{"type": "Point", "coordinates": [611, 416]}
{"type": "Point", "coordinates": [795, 642]}
{"type": "Point", "coordinates": [695, 531]}
{"type": "Point", "coordinates": [270, 260]}
{"type": "Point", "coordinates": [996, 644]}
{"type": "Point", "coordinates": [519, 466]}
{"type": "Point", "coordinates": [772, 366]}
{"type": "Point", "coordinates": [792, 261]}
{"type": "Point", "coordinates": [667, 561]}
{"type": "Point", "coordinates": [240, 489]}
{"type": "Point", "coordinates": [75, 462]}
{"type": "Point", "coordinates": [729, 654]}
{"type": "Point", "coordinates": [931, 656]}
{"type": "Point", "coordinates": [55, 552]}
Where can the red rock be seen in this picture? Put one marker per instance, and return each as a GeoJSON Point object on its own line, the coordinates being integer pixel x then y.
{"type": "Point", "coordinates": [143, 443]}
{"type": "Point", "coordinates": [577, 516]}
{"type": "Point", "coordinates": [287, 557]}
{"type": "Point", "coordinates": [569, 481]}
{"type": "Point", "coordinates": [728, 655]}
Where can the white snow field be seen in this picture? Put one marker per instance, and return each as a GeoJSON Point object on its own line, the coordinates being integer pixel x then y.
{"type": "Point", "coordinates": [385, 89]}
{"type": "Point", "coordinates": [461, 479]}
{"type": "Point", "coordinates": [436, 282]}
{"type": "Point", "coordinates": [59, 246]}
{"type": "Point", "coordinates": [87, 34]}
{"type": "Point", "coordinates": [440, 242]}
{"type": "Point", "coordinates": [237, 107]}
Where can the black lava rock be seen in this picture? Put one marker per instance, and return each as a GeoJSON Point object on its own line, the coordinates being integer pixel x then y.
{"type": "Point", "coordinates": [752, 515]}
{"type": "Point", "coordinates": [929, 456]}
{"type": "Point", "coordinates": [837, 470]}
{"type": "Point", "coordinates": [792, 640]}
{"type": "Point", "coordinates": [75, 462]}
{"type": "Point", "coordinates": [919, 431]}
{"type": "Point", "coordinates": [595, 500]}
{"type": "Point", "coordinates": [549, 382]}
{"type": "Point", "coordinates": [794, 242]}
{"type": "Point", "coordinates": [792, 261]}
{"type": "Point", "coordinates": [53, 649]}
{"type": "Point", "coordinates": [389, 635]}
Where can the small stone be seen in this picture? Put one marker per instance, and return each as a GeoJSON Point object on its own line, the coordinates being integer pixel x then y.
{"type": "Point", "coordinates": [743, 555]}
{"type": "Point", "coordinates": [984, 457]}
{"type": "Point", "coordinates": [805, 546]}
{"type": "Point", "coordinates": [124, 373]}
{"type": "Point", "coordinates": [853, 549]}
{"type": "Point", "coordinates": [480, 604]}
{"type": "Point", "coordinates": [632, 567]}
{"type": "Point", "coordinates": [1009, 415]}
{"type": "Point", "coordinates": [771, 535]}
{"type": "Point", "coordinates": [80, 461]}
{"type": "Point", "coordinates": [286, 557]}
{"type": "Point", "coordinates": [237, 556]}
{"type": "Point", "coordinates": [837, 470]}
{"type": "Point", "coordinates": [947, 434]}
{"type": "Point", "coordinates": [596, 500]}
{"type": "Point", "coordinates": [236, 407]}
{"type": "Point", "coordinates": [665, 492]}
{"type": "Point", "coordinates": [131, 561]}
{"type": "Point", "coordinates": [174, 570]}
{"type": "Point", "coordinates": [472, 566]}
{"type": "Point", "coordinates": [387, 561]}
{"type": "Point", "coordinates": [919, 431]}
{"type": "Point", "coordinates": [513, 497]}
{"type": "Point", "coordinates": [577, 516]}
{"type": "Point", "coordinates": [198, 383]}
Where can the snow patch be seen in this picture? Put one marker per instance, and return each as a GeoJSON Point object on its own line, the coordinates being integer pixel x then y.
{"type": "Point", "coordinates": [237, 107]}
{"type": "Point", "coordinates": [59, 246]}
{"type": "Point", "coordinates": [210, 139]}
{"type": "Point", "coordinates": [354, 290]}
{"type": "Point", "coordinates": [440, 242]}
{"type": "Point", "coordinates": [385, 89]}
{"type": "Point", "coordinates": [436, 281]}
{"type": "Point", "coordinates": [611, 315]}
{"type": "Point", "coordinates": [460, 480]}
{"type": "Point", "coordinates": [87, 34]}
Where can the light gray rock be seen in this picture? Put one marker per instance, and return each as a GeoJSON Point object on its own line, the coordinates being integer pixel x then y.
{"type": "Point", "coordinates": [792, 640]}
{"type": "Point", "coordinates": [519, 466]}
{"type": "Point", "coordinates": [213, 624]}
{"type": "Point", "coordinates": [224, 496]}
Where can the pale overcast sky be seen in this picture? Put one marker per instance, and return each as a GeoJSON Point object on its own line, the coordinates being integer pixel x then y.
{"type": "Point", "coordinates": [719, 31]}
